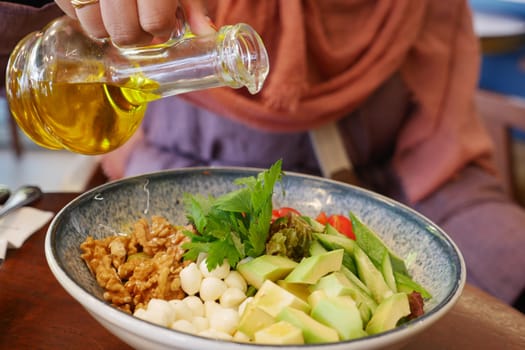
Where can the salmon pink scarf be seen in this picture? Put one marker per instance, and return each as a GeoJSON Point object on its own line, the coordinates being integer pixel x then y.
{"type": "Point", "coordinates": [327, 57]}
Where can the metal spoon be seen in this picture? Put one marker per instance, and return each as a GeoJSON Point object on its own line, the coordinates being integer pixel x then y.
{"type": "Point", "coordinates": [4, 193]}
{"type": "Point", "coordinates": [22, 196]}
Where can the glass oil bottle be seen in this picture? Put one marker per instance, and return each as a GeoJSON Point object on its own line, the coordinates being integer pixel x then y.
{"type": "Point", "coordinates": [69, 91]}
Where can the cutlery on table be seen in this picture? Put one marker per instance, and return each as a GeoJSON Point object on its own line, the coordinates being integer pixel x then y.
{"type": "Point", "coordinates": [22, 196]}
{"type": "Point", "coordinates": [4, 193]}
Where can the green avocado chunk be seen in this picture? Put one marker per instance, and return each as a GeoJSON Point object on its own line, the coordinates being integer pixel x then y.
{"type": "Point", "coordinates": [371, 276]}
{"type": "Point", "coordinates": [313, 331]}
{"type": "Point", "coordinates": [341, 314]}
{"type": "Point", "coordinates": [388, 313]}
{"type": "Point", "coordinates": [279, 333]}
{"type": "Point", "coordinates": [374, 246]}
{"type": "Point", "coordinates": [310, 269]}
{"type": "Point", "coordinates": [335, 240]}
{"type": "Point", "coordinates": [317, 248]}
{"type": "Point", "coordinates": [265, 267]}
{"type": "Point", "coordinates": [254, 319]}
{"type": "Point", "coordinates": [388, 272]}
{"type": "Point", "coordinates": [337, 284]}
{"type": "Point", "coordinates": [272, 298]}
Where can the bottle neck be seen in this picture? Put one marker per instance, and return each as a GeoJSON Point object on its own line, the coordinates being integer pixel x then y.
{"type": "Point", "coordinates": [234, 56]}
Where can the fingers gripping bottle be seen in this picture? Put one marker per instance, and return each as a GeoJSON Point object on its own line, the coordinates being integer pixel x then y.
{"type": "Point", "coordinates": [69, 91]}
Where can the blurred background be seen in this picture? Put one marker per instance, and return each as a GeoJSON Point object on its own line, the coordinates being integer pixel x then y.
{"type": "Point", "coordinates": [500, 25]}
{"type": "Point", "coordinates": [24, 163]}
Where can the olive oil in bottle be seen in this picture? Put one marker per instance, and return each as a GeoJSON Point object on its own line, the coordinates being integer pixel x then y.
{"type": "Point", "coordinates": [87, 118]}
{"type": "Point", "coordinates": [68, 91]}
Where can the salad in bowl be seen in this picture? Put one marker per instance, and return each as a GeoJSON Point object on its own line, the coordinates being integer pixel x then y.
{"type": "Point", "coordinates": [257, 263]}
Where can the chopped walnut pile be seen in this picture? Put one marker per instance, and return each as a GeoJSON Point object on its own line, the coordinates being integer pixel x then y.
{"type": "Point", "coordinates": [135, 268]}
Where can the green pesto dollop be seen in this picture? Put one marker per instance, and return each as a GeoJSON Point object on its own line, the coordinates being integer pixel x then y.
{"type": "Point", "coordinates": [290, 236]}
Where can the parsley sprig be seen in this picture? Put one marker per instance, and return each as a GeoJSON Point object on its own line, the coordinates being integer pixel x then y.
{"type": "Point", "coordinates": [235, 225]}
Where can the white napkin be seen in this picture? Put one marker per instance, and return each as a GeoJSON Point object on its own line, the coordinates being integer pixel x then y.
{"type": "Point", "coordinates": [19, 225]}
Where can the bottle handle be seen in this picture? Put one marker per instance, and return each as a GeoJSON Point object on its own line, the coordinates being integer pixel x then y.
{"type": "Point", "coordinates": [179, 32]}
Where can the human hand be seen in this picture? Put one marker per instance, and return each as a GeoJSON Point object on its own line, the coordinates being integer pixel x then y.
{"type": "Point", "coordinates": [137, 22]}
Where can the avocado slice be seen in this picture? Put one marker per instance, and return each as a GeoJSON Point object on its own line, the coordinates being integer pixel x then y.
{"type": "Point", "coordinates": [310, 269]}
{"type": "Point", "coordinates": [315, 296]}
{"type": "Point", "coordinates": [388, 272]}
{"type": "Point", "coordinates": [338, 241]}
{"type": "Point", "coordinates": [374, 246]}
{"type": "Point", "coordinates": [266, 267]}
{"type": "Point", "coordinates": [280, 333]}
{"type": "Point", "coordinates": [300, 290]}
{"type": "Point", "coordinates": [353, 279]}
{"type": "Point", "coordinates": [253, 319]}
{"type": "Point", "coordinates": [317, 248]}
{"type": "Point", "coordinates": [334, 283]}
{"type": "Point", "coordinates": [340, 313]}
{"type": "Point", "coordinates": [388, 313]}
{"type": "Point", "coordinates": [371, 276]}
{"type": "Point", "coordinates": [337, 284]}
{"type": "Point", "coordinates": [332, 241]}
{"type": "Point", "coordinates": [313, 331]}
{"type": "Point", "coordinates": [272, 298]}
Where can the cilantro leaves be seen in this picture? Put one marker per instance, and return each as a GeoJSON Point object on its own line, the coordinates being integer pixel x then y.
{"type": "Point", "coordinates": [236, 224]}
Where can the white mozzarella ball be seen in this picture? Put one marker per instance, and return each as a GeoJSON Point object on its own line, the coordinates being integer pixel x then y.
{"type": "Point", "coordinates": [181, 310]}
{"type": "Point", "coordinates": [232, 297]}
{"type": "Point", "coordinates": [151, 318]}
{"type": "Point", "coordinates": [225, 321]}
{"type": "Point", "coordinates": [212, 288]}
{"type": "Point", "coordinates": [235, 280]}
{"type": "Point", "coordinates": [200, 323]}
{"type": "Point", "coordinates": [195, 304]}
{"type": "Point", "coordinates": [242, 306]}
{"type": "Point", "coordinates": [184, 326]}
{"type": "Point", "coordinates": [190, 279]}
{"type": "Point", "coordinates": [160, 312]}
{"type": "Point", "coordinates": [215, 334]}
{"type": "Point", "coordinates": [220, 271]}
{"type": "Point", "coordinates": [140, 313]}
{"type": "Point", "coordinates": [203, 267]}
{"type": "Point", "coordinates": [211, 307]}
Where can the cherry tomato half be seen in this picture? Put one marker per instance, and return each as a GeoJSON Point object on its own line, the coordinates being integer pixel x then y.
{"type": "Point", "coordinates": [322, 218]}
{"type": "Point", "coordinates": [278, 213]}
{"type": "Point", "coordinates": [342, 224]}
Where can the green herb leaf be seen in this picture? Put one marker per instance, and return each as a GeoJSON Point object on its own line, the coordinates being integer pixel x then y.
{"type": "Point", "coordinates": [236, 224]}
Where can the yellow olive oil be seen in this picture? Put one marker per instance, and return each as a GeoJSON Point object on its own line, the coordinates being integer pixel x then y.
{"type": "Point", "coordinates": [87, 118]}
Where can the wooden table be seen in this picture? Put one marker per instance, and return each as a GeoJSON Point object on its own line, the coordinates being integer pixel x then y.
{"type": "Point", "coordinates": [36, 313]}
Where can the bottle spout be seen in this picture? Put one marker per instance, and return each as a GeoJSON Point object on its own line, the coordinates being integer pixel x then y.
{"type": "Point", "coordinates": [245, 56]}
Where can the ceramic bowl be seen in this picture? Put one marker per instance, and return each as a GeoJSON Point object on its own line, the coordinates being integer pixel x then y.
{"type": "Point", "coordinates": [115, 206]}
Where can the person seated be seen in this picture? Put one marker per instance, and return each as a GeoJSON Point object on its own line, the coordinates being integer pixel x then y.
{"type": "Point", "coordinates": [397, 78]}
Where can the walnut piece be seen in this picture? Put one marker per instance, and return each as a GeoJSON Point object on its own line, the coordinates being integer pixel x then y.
{"type": "Point", "coordinates": [140, 266]}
